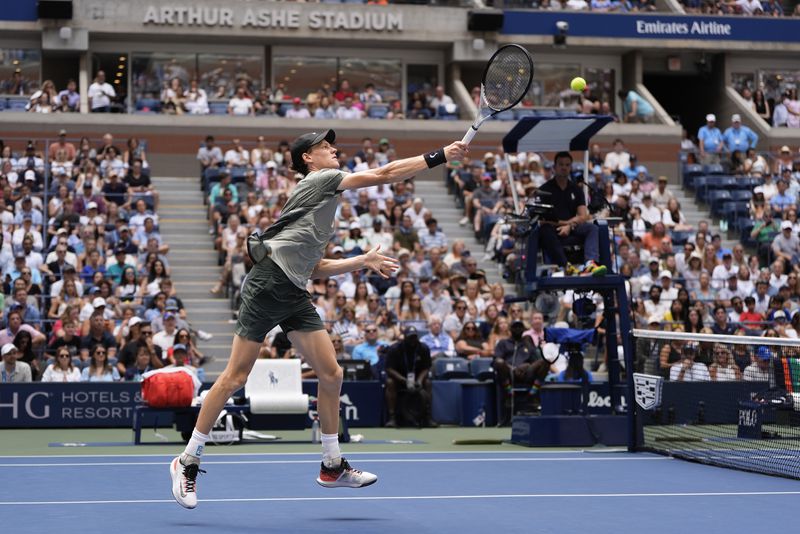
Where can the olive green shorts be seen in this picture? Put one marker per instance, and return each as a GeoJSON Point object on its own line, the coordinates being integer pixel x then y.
{"type": "Point", "coordinates": [269, 299]}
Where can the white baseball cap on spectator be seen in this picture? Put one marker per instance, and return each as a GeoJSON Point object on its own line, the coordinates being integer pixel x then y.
{"type": "Point", "coordinates": [785, 149]}
{"type": "Point", "coordinates": [91, 206]}
{"type": "Point", "coordinates": [786, 225]}
{"type": "Point", "coordinates": [271, 165]}
{"type": "Point", "coordinates": [711, 118]}
{"type": "Point", "coordinates": [98, 302]}
{"type": "Point", "coordinates": [665, 274]}
{"type": "Point", "coordinates": [8, 348]}
{"type": "Point", "coordinates": [134, 321]}
{"type": "Point", "coordinates": [488, 155]}
{"type": "Point", "coordinates": [775, 316]}
{"type": "Point", "coordinates": [30, 174]}
{"type": "Point", "coordinates": [654, 319]}
{"type": "Point", "coordinates": [337, 250]}
{"type": "Point", "coordinates": [736, 118]}
{"type": "Point", "coordinates": [355, 225]}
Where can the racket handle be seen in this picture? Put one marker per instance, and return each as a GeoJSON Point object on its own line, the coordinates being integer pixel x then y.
{"type": "Point", "coordinates": [469, 135]}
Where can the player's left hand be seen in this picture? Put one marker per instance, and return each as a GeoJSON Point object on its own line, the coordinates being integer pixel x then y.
{"type": "Point", "coordinates": [456, 151]}
{"type": "Point", "coordinates": [564, 230]}
{"type": "Point", "coordinates": [383, 265]}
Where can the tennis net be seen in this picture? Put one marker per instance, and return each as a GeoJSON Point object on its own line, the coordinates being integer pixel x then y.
{"type": "Point", "coordinates": [731, 401]}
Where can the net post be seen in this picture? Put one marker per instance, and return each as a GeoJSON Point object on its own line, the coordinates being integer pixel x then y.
{"type": "Point", "coordinates": [626, 334]}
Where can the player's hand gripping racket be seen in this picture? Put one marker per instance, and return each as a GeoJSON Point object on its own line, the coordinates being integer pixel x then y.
{"type": "Point", "coordinates": [506, 80]}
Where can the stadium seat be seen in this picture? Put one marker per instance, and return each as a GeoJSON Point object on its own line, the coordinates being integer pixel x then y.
{"type": "Point", "coordinates": [450, 368]}
{"type": "Point", "coordinates": [524, 112]}
{"type": "Point", "coordinates": [481, 368]}
{"type": "Point", "coordinates": [714, 169]}
{"type": "Point", "coordinates": [218, 108]}
{"type": "Point", "coordinates": [690, 172]}
{"type": "Point", "coordinates": [742, 195]}
{"type": "Point", "coordinates": [732, 210]}
{"type": "Point", "coordinates": [3, 104]}
{"type": "Point", "coordinates": [507, 115]}
{"type": "Point", "coordinates": [699, 185]}
{"type": "Point", "coordinates": [378, 111]}
{"type": "Point", "coordinates": [148, 105]}
{"type": "Point", "coordinates": [16, 103]}
{"type": "Point", "coordinates": [716, 199]}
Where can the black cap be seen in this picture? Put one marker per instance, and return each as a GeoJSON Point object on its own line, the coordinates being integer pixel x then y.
{"type": "Point", "coordinates": [303, 144]}
{"type": "Point", "coordinates": [409, 331]}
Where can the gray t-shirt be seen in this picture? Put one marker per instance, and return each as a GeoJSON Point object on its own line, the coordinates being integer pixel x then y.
{"type": "Point", "coordinates": [299, 246]}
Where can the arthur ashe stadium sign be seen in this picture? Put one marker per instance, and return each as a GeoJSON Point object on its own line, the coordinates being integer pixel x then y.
{"type": "Point", "coordinates": [274, 18]}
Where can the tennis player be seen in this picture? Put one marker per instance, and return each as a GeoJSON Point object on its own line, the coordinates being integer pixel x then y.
{"type": "Point", "coordinates": [274, 293]}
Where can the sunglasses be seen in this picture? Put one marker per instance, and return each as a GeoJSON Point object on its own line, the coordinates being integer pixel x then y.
{"type": "Point", "coordinates": [461, 307]}
{"type": "Point", "coordinates": [99, 352]}
{"type": "Point", "coordinates": [370, 330]}
{"type": "Point", "coordinates": [63, 355]}
{"type": "Point", "coordinates": [333, 285]}
{"type": "Point", "coordinates": [146, 333]}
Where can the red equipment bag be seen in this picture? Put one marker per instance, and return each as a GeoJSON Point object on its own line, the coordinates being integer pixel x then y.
{"type": "Point", "coordinates": [168, 390]}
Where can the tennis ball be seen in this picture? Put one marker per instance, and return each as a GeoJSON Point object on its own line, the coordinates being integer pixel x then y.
{"type": "Point", "coordinates": [578, 84]}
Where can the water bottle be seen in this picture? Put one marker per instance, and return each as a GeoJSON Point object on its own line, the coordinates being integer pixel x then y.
{"type": "Point", "coordinates": [315, 431]}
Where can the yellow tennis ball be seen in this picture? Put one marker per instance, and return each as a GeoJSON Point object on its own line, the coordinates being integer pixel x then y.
{"type": "Point", "coordinates": [578, 84]}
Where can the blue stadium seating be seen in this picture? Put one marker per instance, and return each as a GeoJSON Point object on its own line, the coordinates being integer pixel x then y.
{"type": "Point", "coordinates": [717, 198]}
{"type": "Point", "coordinates": [450, 368]}
{"type": "Point", "coordinates": [714, 169]}
{"type": "Point", "coordinates": [16, 103]}
{"type": "Point", "coordinates": [148, 105]}
{"type": "Point", "coordinates": [690, 172]}
{"type": "Point", "coordinates": [218, 108]}
{"type": "Point", "coordinates": [378, 111]}
{"type": "Point", "coordinates": [507, 115]}
{"type": "Point", "coordinates": [481, 368]}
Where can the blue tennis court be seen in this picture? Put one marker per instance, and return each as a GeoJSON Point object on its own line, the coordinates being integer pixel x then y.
{"type": "Point", "coordinates": [525, 491]}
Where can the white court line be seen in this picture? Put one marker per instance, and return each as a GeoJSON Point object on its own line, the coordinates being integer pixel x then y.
{"type": "Point", "coordinates": [423, 497]}
{"type": "Point", "coordinates": [360, 460]}
{"type": "Point", "coordinates": [400, 453]}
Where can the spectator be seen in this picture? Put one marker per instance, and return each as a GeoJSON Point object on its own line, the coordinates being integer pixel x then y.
{"type": "Point", "coordinates": [325, 109]}
{"type": "Point", "coordinates": [140, 186]}
{"type": "Point", "coordinates": [344, 92]}
{"type": "Point", "coordinates": [721, 325]}
{"type": "Point", "coordinates": [369, 97]}
{"type": "Point", "coordinates": [347, 111]}
{"type": "Point", "coordinates": [241, 105]}
{"type": "Point", "coordinates": [196, 99]}
{"type": "Point", "coordinates": [737, 137]}
{"type": "Point", "coordinates": [441, 104]}
{"type": "Point", "coordinates": [141, 366]}
{"type": "Point", "coordinates": [724, 369]}
{"type": "Point", "coordinates": [237, 156]}
{"type": "Point", "coordinates": [172, 98]}
{"type": "Point", "coordinates": [662, 195]}
{"type": "Point", "coordinates": [209, 155]}
{"type": "Point", "coordinates": [635, 108]}
{"type": "Point", "coordinates": [166, 337]}
{"type": "Point", "coordinates": [17, 85]}
{"type": "Point", "coordinates": [432, 237]}
{"type": "Point", "coordinates": [370, 349]}
{"type": "Point", "coordinates": [13, 371]}
{"type": "Point", "coordinates": [100, 94]}
{"type": "Point", "coordinates": [438, 342]}
{"type": "Point", "coordinates": [710, 140]}
{"type": "Point", "coordinates": [780, 115]}
{"type": "Point", "coordinates": [298, 110]}
{"type": "Point", "coordinates": [758, 371]}
{"type": "Point", "coordinates": [687, 369]}
{"type": "Point", "coordinates": [408, 364]}
{"type": "Point", "coordinates": [62, 145]}
{"type": "Point", "coordinates": [618, 159]}
{"type": "Point", "coordinates": [99, 368]}
{"type": "Point", "coordinates": [62, 369]}
{"type": "Point", "coordinates": [98, 336]}
{"type": "Point", "coordinates": [786, 245]}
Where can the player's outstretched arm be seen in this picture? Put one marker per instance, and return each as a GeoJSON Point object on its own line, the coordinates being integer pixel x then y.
{"type": "Point", "coordinates": [372, 260]}
{"type": "Point", "coordinates": [402, 169]}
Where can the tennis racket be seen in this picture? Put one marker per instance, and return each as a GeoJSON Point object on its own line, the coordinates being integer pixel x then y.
{"type": "Point", "coordinates": [506, 80]}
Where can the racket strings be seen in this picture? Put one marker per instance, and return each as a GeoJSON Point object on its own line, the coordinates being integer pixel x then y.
{"type": "Point", "coordinates": [507, 78]}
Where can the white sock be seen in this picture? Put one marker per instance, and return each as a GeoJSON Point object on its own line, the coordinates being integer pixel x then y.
{"type": "Point", "coordinates": [194, 449]}
{"type": "Point", "coordinates": [331, 455]}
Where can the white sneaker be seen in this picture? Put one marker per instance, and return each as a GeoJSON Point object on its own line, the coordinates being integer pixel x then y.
{"type": "Point", "coordinates": [184, 481]}
{"type": "Point", "coordinates": [203, 335]}
{"type": "Point", "coordinates": [344, 477]}
{"type": "Point", "coordinates": [463, 221]}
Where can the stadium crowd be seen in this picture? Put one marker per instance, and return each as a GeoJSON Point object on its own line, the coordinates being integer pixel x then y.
{"type": "Point", "coordinates": [87, 294]}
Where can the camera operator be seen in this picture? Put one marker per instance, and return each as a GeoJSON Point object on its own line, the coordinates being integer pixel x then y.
{"type": "Point", "coordinates": [570, 218]}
